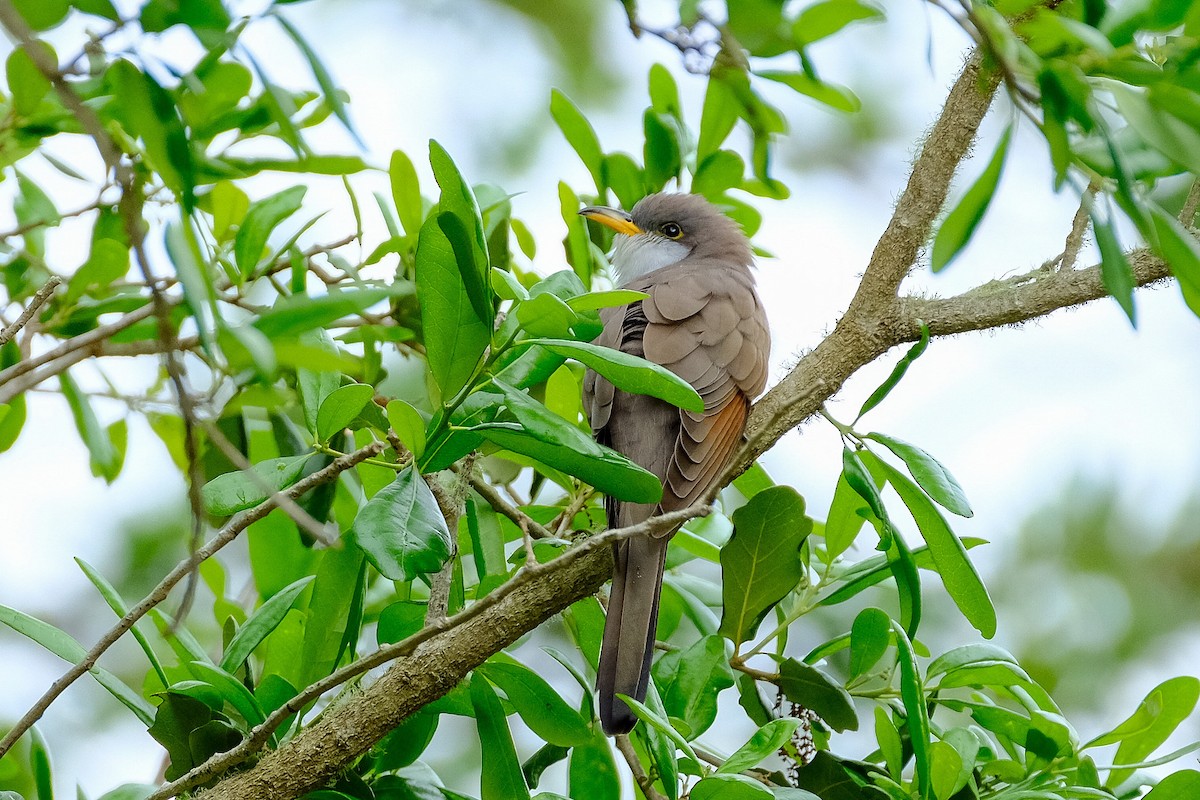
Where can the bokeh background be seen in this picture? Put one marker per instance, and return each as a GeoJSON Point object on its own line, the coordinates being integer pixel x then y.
{"type": "Point", "coordinates": [1075, 437]}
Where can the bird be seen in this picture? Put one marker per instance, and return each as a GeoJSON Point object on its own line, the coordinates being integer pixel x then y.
{"type": "Point", "coordinates": [704, 321]}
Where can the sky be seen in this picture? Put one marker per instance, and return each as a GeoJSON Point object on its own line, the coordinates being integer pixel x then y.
{"type": "Point", "coordinates": [1015, 414]}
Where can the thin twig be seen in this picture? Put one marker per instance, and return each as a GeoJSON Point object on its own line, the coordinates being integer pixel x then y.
{"type": "Point", "coordinates": [302, 518]}
{"type": "Point", "coordinates": [644, 781]}
{"type": "Point", "coordinates": [261, 734]}
{"type": "Point", "coordinates": [39, 299]}
{"type": "Point", "coordinates": [1074, 243]}
{"type": "Point", "coordinates": [1188, 215]}
{"type": "Point", "coordinates": [223, 537]}
{"type": "Point", "coordinates": [502, 506]}
{"type": "Point", "coordinates": [565, 519]}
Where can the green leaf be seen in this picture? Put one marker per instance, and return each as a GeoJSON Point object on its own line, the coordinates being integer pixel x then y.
{"type": "Point", "coordinates": [579, 134]}
{"type": "Point", "coordinates": [825, 18]}
{"type": "Point", "coordinates": [730, 787]}
{"type": "Point", "coordinates": [39, 764]}
{"type": "Point", "coordinates": [912, 694]}
{"type": "Point", "coordinates": [329, 89]}
{"type": "Point", "coordinates": [858, 479]}
{"type": "Point", "coordinates": [664, 93]}
{"type": "Point", "coordinates": [845, 519]}
{"type": "Point", "coordinates": [661, 152]}
{"type": "Point", "coordinates": [198, 293]}
{"type": "Point", "coordinates": [236, 491]}
{"type": "Point", "coordinates": [929, 474]}
{"type": "Point", "coordinates": [628, 373]}
{"type": "Point", "coordinates": [591, 770]}
{"type": "Point", "coordinates": [25, 81]}
{"type": "Point", "coordinates": [260, 624]}
{"type": "Point", "coordinates": [458, 199]}
{"type": "Point", "coordinates": [717, 118]}
{"type": "Point", "coordinates": [869, 639]}
{"type": "Point", "coordinates": [406, 192]}
{"type": "Point", "coordinates": [690, 681]}
{"type": "Point", "coordinates": [1114, 267]}
{"type": "Point", "coordinates": [103, 456]}
{"type": "Point", "coordinates": [579, 247]}
{"type": "Point", "coordinates": [42, 14]}
{"type": "Point", "coordinates": [1163, 131]}
{"type": "Point", "coordinates": [300, 313]}
{"type": "Point", "coordinates": [625, 178]}
{"type": "Point", "coordinates": [231, 690]}
{"type": "Point", "coordinates": [34, 210]}
{"type": "Point", "coordinates": [816, 691]}
{"type": "Point", "coordinates": [408, 425]}
{"type": "Point", "coordinates": [946, 773]}
{"type": "Point", "coordinates": [958, 574]}
{"type": "Point", "coordinates": [1178, 247]}
{"type": "Point", "coordinates": [340, 408]}
{"type": "Point", "coordinates": [263, 217]}
{"type": "Point", "coordinates": [402, 530]}
{"type": "Point", "coordinates": [68, 649]}
{"type": "Point", "coordinates": [148, 111]}
{"type": "Point", "coordinates": [547, 437]}
{"type": "Point", "coordinates": [114, 600]}
{"type": "Point", "coordinates": [334, 613]}
{"type": "Point", "coordinates": [229, 205]}
{"type": "Point", "coordinates": [761, 563]}
{"type": "Point", "coordinates": [765, 742]}
{"type": "Point", "coordinates": [507, 286]}
{"type": "Point", "coordinates": [661, 724]}
{"type": "Point", "coordinates": [897, 373]}
{"type": "Point", "coordinates": [594, 301]}
{"type": "Point", "coordinates": [719, 172]}
{"type": "Point", "coordinates": [501, 771]}
{"type": "Point", "coordinates": [1159, 714]}
{"type": "Point", "coordinates": [543, 710]}
{"type": "Point", "coordinates": [1182, 785]}
{"type": "Point", "coordinates": [455, 336]}
{"type": "Point", "coordinates": [829, 94]}
{"type": "Point", "coordinates": [960, 223]}
{"type": "Point", "coordinates": [478, 292]}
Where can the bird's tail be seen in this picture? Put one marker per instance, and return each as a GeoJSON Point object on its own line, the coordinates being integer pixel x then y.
{"type": "Point", "coordinates": [629, 630]}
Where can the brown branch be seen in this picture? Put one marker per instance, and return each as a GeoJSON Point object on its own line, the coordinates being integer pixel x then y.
{"type": "Point", "coordinates": [928, 185]}
{"type": "Point", "coordinates": [96, 347]}
{"type": "Point", "coordinates": [223, 537]}
{"type": "Point", "coordinates": [444, 651]}
{"type": "Point", "coordinates": [39, 300]}
{"type": "Point", "coordinates": [644, 781]}
{"type": "Point", "coordinates": [1018, 299]}
{"type": "Point", "coordinates": [83, 340]}
{"type": "Point", "coordinates": [502, 506]}
{"type": "Point", "coordinates": [1188, 214]}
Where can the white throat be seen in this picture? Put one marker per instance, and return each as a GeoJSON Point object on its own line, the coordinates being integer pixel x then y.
{"type": "Point", "coordinates": [635, 256]}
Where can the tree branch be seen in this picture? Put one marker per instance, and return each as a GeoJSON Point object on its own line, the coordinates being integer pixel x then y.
{"type": "Point", "coordinates": [39, 299]}
{"type": "Point", "coordinates": [223, 537]}
{"type": "Point", "coordinates": [443, 653]}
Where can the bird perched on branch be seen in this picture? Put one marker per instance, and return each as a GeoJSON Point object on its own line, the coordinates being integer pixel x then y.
{"type": "Point", "coordinates": [703, 321]}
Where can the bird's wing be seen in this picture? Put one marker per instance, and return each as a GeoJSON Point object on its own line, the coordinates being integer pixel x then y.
{"type": "Point", "coordinates": [705, 323]}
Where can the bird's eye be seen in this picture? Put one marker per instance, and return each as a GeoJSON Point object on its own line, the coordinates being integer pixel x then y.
{"type": "Point", "coordinates": [671, 230]}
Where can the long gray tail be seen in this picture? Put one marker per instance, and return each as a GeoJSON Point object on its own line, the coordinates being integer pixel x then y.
{"type": "Point", "coordinates": [629, 630]}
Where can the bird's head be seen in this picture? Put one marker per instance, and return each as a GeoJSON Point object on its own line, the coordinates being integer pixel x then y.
{"type": "Point", "coordinates": [663, 229]}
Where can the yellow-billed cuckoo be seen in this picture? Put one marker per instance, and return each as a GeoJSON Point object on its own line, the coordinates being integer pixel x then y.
{"type": "Point", "coordinates": [704, 322]}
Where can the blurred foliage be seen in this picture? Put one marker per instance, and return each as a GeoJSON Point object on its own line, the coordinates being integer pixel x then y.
{"type": "Point", "coordinates": [422, 341]}
{"type": "Point", "coordinates": [1100, 585]}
